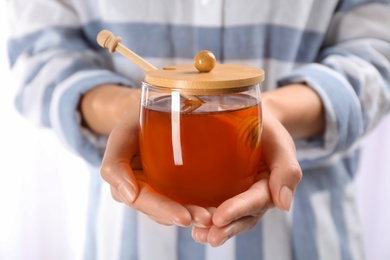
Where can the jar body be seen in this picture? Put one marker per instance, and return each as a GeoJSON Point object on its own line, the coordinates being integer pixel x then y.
{"type": "Point", "coordinates": [200, 153]}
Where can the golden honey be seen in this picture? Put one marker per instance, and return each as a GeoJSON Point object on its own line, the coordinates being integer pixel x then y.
{"type": "Point", "coordinates": [200, 157]}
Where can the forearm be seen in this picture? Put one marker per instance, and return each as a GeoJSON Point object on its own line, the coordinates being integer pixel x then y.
{"type": "Point", "coordinates": [298, 108]}
{"type": "Point", "coordinates": [104, 106]}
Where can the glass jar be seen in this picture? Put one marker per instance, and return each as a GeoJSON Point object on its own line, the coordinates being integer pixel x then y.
{"type": "Point", "coordinates": [200, 132]}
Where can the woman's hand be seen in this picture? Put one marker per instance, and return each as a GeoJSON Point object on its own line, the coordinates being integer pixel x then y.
{"type": "Point", "coordinates": [121, 168]}
{"type": "Point", "coordinates": [114, 110]}
{"type": "Point", "coordinates": [277, 180]}
{"type": "Point", "coordinates": [293, 111]}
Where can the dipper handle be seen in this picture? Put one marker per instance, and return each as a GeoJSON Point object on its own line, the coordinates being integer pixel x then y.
{"type": "Point", "coordinates": [106, 39]}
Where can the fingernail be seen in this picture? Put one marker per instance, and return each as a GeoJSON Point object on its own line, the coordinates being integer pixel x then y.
{"type": "Point", "coordinates": [195, 236]}
{"type": "Point", "coordinates": [285, 197]}
{"type": "Point", "coordinates": [200, 237]}
{"type": "Point", "coordinates": [179, 224]}
{"type": "Point", "coordinates": [224, 241]}
{"type": "Point", "coordinates": [199, 225]}
{"type": "Point", "coordinates": [127, 191]}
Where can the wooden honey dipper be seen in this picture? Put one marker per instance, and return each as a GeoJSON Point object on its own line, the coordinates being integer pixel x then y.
{"type": "Point", "coordinates": [106, 39]}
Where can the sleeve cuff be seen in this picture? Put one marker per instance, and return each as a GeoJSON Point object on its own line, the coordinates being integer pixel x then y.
{"type": "Point", "coordinates": [66, 120]}
{"type": "Point", "coordinates": [342, 111]}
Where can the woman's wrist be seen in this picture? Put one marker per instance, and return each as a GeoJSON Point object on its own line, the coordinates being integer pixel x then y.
{"type": "Point", "coordinates": [299, 108]}
{"type": "Point", "coordinates": [104, 106]}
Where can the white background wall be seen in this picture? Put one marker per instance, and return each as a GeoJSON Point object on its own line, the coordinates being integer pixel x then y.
{"type": "Point", "coordinates": [43, 187]}
{"type": "Point", "coordinates": [374, 192]}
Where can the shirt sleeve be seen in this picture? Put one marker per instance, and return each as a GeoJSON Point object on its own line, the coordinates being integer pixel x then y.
{"type": "Point", "coordinates": [352, 77]}
{"type": "Point", "coordinates": [54, 65]}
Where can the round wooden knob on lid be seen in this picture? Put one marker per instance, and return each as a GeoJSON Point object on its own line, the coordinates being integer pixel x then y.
{"type": "Point", "coordinates": [205, 77]}
{"type": "Point", "coordinates": [205, 61]}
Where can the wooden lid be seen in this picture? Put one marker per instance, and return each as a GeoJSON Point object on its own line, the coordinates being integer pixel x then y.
{"type": "Point", "coordinates": [205, 77]}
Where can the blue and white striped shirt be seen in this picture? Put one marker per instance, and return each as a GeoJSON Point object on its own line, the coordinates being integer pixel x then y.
{"type": "Point", "coordinates": [340, 48]}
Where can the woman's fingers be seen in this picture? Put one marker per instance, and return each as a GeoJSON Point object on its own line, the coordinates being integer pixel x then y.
{"type": "Point", "coordinates": [253, 202]}
{"type": "Point", "coordinates": [280, 157]}
{"type": "Point", "coordinates": [122, 146]}
{"type": "Point", "coordinates": [200, 234]}
{"type": "Point", "coordinates": [115, 195]}
{"type": "Point", "coordinates": [236, 215]}
{"type": "Point", "coordinates": [201, 217]}
{"type": "Point", "coordinates": [119, 169]}
{"type": "Point", "coordinates": [217, 236]}
{"type": "Point", "coordinates": [120, 178]}
{"type": "Point", "coordinates": [160, 208]}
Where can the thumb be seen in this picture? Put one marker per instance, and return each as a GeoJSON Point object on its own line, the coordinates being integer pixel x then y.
{"type": "Point", "coordinates": [280, 156]}
{"type": "Point", "coordinates": [122, 146]}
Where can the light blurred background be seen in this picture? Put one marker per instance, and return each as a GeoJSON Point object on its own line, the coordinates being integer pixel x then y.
{"type": "Point", "coordinates": [43, 188]}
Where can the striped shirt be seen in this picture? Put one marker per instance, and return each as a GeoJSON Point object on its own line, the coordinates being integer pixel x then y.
{"type": "Point", "coordinates": [340, 48]}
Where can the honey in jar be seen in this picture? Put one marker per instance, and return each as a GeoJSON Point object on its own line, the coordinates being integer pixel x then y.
{"type": "Point", "coordinates": [200, 132]}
